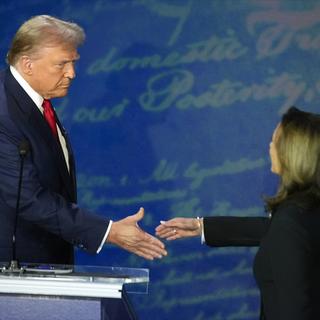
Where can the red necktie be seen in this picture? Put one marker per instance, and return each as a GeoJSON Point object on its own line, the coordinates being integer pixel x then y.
{"type": "Point", "coordinates": [48, 114]}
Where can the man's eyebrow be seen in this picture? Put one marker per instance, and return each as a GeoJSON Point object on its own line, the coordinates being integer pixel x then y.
{"type": "Point", "coordinates": [71, 60]}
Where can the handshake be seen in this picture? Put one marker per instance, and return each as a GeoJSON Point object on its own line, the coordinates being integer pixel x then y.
{"type": "Point", "coordinates": [127, 234]}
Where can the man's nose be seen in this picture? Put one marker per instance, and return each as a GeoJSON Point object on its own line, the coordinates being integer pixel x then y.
{"type": "Point", "coordinates": [70, 71]}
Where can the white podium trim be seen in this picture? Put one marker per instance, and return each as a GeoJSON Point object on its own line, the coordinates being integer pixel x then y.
{"type": "Point", "coordinates": [60, 287]}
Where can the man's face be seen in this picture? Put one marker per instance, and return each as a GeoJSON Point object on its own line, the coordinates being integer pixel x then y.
{"type": "Point", "coordinates": [52, 70]}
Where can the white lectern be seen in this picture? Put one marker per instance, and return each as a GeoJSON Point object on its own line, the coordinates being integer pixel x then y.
{"type": "Point", "coordinates": [70, 292]}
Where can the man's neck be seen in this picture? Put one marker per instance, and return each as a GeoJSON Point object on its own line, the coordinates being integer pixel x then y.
{"type": "Point", "coordinates": [35, 96]}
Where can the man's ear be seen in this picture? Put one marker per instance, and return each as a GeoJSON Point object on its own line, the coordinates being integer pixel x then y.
{"type": "Point", "coordinates": [25, 65]}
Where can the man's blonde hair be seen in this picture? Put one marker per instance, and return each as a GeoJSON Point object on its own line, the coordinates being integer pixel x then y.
{"type": "Point", "coordinates": [41, 31]}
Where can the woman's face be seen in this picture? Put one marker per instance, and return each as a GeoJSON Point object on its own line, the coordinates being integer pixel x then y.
{"type": "Point", "coordinates": [275, 164]}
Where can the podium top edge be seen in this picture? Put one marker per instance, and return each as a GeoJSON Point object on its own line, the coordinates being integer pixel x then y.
{"type": "Point", "coordinates": [79, 272]}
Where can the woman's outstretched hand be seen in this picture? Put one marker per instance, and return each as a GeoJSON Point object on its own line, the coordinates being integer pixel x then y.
{"type": "Point", "coordinates": [177, 228]}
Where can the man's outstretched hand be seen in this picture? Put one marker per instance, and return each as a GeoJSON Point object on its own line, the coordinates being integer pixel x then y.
{"type": "Point", "coordinates": [128, 235]}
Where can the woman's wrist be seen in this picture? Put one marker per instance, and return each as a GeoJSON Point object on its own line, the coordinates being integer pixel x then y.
{"type": "Point", "coordinates": [200, 225]}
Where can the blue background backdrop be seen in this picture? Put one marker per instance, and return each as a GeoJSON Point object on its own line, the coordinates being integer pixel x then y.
{"type": "Point", "coordinates": [173, 109]}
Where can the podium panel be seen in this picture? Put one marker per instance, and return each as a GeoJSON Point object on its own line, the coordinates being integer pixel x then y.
{"type": "Point", "coordinates": [16, 307]}
{"type": "Point", "coordinates": [70, 293]}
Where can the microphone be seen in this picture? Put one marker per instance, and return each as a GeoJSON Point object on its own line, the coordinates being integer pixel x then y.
{"type": "Point", "coordinates": [14, 264]}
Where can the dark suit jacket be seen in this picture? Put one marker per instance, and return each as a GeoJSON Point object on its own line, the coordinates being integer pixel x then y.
{"type": "Point", "coordinates": [287, 264]}
{"type": "Point", "coordinates": [50, 223]}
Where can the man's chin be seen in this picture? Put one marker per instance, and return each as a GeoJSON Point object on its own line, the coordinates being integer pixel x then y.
{"type": "Point", "coordinates": [59, 94]}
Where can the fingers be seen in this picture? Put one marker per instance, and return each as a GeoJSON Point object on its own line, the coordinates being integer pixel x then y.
{"type": "Point", "coordinates": [145, 245]}
{"type": "Point", "coordinates": [148, 253]}
{"type": "Point", "coordinates": [179, 228]}
{"type": "Point", "coordinates": [168, 233]}
{"type": "Point", "coordinates": [138, 216]}
{"type": "Point", "coordinates": [168, 229]}
{"type": "Point", "coordinates": [149, 240]}
{"type": "Point", "coordinates": [173, 235]}
{"type": "Point", "coordinates": [180, 223]}
{"type": "Point", "coordinates": [171, 223]}
{"type": "Point", "coordinates": [148, 248]}
{"type": "Point", "coordinates": [153, 245]}
{"type": "Point", "coordinates": [165, 228]}
{"type": "Point", "coordinates": [165, 232]}
{"type": "Point", "coordinates": [145, 254]}
{"type": "Point", "coordinates": [160, 229]}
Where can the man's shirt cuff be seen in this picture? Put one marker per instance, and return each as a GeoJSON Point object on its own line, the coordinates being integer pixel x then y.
{"type": "Point", "coordinates": [105, 237]}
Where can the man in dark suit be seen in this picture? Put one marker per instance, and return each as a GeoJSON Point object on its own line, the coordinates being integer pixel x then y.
{"type": "Point", "coordinates": [41, 58]}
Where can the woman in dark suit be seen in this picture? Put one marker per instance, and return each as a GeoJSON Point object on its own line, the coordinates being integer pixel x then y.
{"type": "Point", "coordinates": [287, 264]}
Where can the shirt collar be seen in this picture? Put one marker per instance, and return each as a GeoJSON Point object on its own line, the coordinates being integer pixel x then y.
{"type": "Point", "coordinates": [35, 96]}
